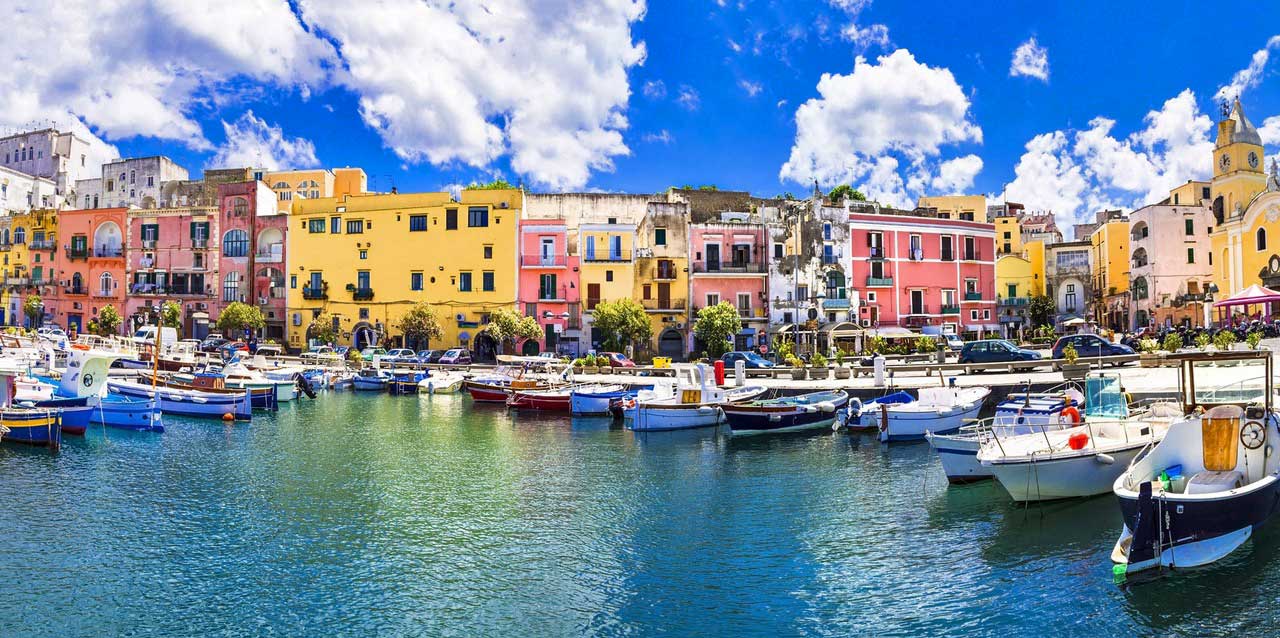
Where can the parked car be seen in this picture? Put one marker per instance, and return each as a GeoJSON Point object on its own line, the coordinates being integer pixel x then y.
{"type": "Point", "coordinates": [212, 343]}
{"type": "Point", "coordinates": [229, 348]}
{"type": "Point", "coordinates": [1090, 346]}
{"type": "Point", "coordinates": [341, 351]}
{"type": "Point", "coordinates": [456, 356]}
{"type": "Point", "coordinates": [995, 351]}
{"type": "Point", "coordinates": [618, 360]}
{"type": "Point", "coordinates": [954, 342]}
{"type": "Point", "coordinates": [373, 351]}
{"type": "Point", "coordinates": [751, 359]}
{"type": "Point", "coordinates": [430, 356]}
{"type": "Point", "coordinates": [401, 355]}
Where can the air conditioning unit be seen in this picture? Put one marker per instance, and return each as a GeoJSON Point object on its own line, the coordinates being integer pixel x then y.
{"type": "Point", "coordinates": [461, 316]}
{"type": "Point", "coordinates": [866, 323]}
{"type": "Point", "coordinates": [679, 326]}
{"type": "Point", "coordinates": [202, 306]}
{"type": "Point", "coordinates": [502, 205]}
{"type": "Point", "coordinates": [262, 301]}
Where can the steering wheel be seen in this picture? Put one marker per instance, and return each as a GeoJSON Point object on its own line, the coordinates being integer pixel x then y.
{"type": "Point", "coordinates": [1253, 435]}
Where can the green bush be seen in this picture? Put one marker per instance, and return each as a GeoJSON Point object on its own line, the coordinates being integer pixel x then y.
{"type": "Point", "coordinates": [1069, 354]}
{"type": "Point", "coordinates": [1253, 339]}
{"type": "Point", "coordinates": [1224, 339]}
{"type": "Point", "coordinates": [1148, 345]}
{"type": "Point", "coordinates": [1172, 342]}
{"type": "Point", "coordinates": [926, 345]}
{"type": "Point", "coordinates": [818, 361]}
{"type": "Point", "coordinates": [1203, 340]}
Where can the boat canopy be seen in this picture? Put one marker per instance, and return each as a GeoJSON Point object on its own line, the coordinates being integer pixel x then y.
{"type": "Point", "coordinates": [1104, 398]}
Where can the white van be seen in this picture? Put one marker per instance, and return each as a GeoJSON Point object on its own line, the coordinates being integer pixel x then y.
{"type": "Point", "coordinates": [147, 335]}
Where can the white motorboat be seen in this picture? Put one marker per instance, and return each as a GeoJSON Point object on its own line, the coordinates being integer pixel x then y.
{"type": "Point", "coordinates": [1083, 460]}
{"type": "Point", "coordinates": [1021, 413]}
{"type": "Point", "coordinates": [938, 409]}
{"type": "Point", "coordinates": [441, 382]}
{"type": "Point", "coordinates": [1200, 493]}
{"type": "Point", "coordinates": [691, 400]}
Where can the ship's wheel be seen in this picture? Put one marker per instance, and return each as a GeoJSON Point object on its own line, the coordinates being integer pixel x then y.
{"type": "Point", "coordinates": [1253, 435]}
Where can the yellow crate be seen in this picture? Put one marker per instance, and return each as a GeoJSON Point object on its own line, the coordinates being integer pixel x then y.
{"type": "Point", "coordinates": [662, 362]}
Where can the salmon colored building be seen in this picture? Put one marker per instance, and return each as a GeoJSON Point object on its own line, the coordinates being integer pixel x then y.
{"type": "Point", "coordinates": [90, 268]}
{"type": "Point", "coordinates": [549, 287]}
{"type": "Point", "coordinates": [729, 263]}
{"type": "Point", "coordinates": [251, 260]}
{"type": "Point", "coordinates": [170, 257]}
{"type": "Point", "coordinates": [922, 271]}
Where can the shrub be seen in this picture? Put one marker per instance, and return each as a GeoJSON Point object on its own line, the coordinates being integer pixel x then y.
{"type": "Point", "coordinates": [1069, 354]}
{"type": "Point", "coordinates": [1148, 345]}
{"type": "Point", "coordinates": [1224, 339]}
{"type": "Point", "coordinates": [1172, 342]}
{"type": "Point", "coordinates": [877, 345]}
{"type": "Point", "coordinates": [819, 361]}
{"type": "Point", "coordinates": [1253, 339]}
{"type": "Point", "coordinates": [926, 345]}
{"type": "Point", "coordinates": [1202, 340]}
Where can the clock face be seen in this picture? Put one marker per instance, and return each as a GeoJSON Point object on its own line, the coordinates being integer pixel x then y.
{"type": "Point", "coordinates": [1253, 159]}
{"type": "Point", "coordinates": [1224, 161]}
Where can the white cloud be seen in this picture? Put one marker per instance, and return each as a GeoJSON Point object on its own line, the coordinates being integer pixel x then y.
{"type": "Point", "coordinates": [688, 98]}
{"type": "Point", "coordinates": [896, 106]}
{"type": "Point", "coordinates": [1270, 130]}
{"type": "Point", "coordinates": [737, 48]}
{"type": "Point", "coordinates": [752, 88]}
{"type": "Point", "coordinates": [661, 137]}
{"type": "Point", "coordinates": [252, 142]}
{"type": "Point", "coordinates": [139, 67]}
{"type": "Point", "coordinates": [479, 87]}
{"type": "Point", "coordinates": [1075, 173]}
{"type": "Point", "coordinates": [1249, 76]}
{"type": "Point", "coordinates": [861, 37]}
{"type": "Point", "coordinates": [1030, 60]}
{"type": "Point", "coordinates": [956, 175]}
{"type": "Point", "coordinates": [654, 89]}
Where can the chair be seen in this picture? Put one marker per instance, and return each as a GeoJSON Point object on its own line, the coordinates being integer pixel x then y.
{"type": "Point", "coordinates": [1220, 442]}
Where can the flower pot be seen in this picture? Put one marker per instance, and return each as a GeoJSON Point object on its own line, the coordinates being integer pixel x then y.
{"type": "Point", "coordinates": [591, 370]}
{"type": "Point", "coordinates": [1074, 371]}
{"type": "Point", "coordinates": [606, 370]}
{"type": "Point", "coordinates": [819, 373]}
{"type": "Point", "coordinates": [843, 372]}
{"type": "Point", "coordinates": [797, 374]}
{"type": "Point", "coordinates": [577, 369]}
{"type": "Point", "coordinates": [1149, 360]}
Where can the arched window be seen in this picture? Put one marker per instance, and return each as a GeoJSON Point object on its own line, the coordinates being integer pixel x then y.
{"type": "Point", "coordinates": [239, 207]}
{"type": "Point", "coordinates": [77, 283]}
{"type": "Point", "coordinates": [835, 285]}
{"type": "Point", "coordinates": [4, 237]}
{"type": "Point", "coordinates": [235, 243]}
{"type": "Point", "coordinates": [1140, 288]}
{"type": "Point", "coordinates": [107, 240]}
{"type": "Point", "coordinates": [1262, 239]}
{"type": "Point", "coordinates": [105, 284]}
{"type": "Point", "coordinates": [231, 287]}
{"type": "Point", "coordinates": [19, 235]}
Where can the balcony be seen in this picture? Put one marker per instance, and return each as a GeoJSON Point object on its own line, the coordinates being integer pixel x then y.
{"type": "Point", "coordinates": [552, 294]}
{"type": "Point", "coordinates": [78, 291]}
{"type": "Point", "coordinates": [104, 294]}
{"type": "Point", "coordinates": [1014, 301]}
{"type": "Point", "coordinates": [200, 242]}
{"type": "Point", "coordinates": [732, 268]}
{"type": "Point", "coordinates": [4, 248]}
{"type": "Point", "coordinates": [148, 244]}
{"type": "Point", "coordinates": [973, 295]}
{"type": "Point", "coordinates": [830, 260]}
{"type": "Point", "coordinates": [77, 252]}
{"type": "Point", "coordinates": [835, 304]}
{"type": "Point", "coordinates": [17, 281]}
{"type": "Point", "coordinates": [665, 274]}
{"type": "Point", "coordinates": [879, 282]}
{"type": "Point", "coordinates": [322, 292]}
{"type": "Point", "coordinates": [606, 257]}
{"type": "Point", "coordinates": [144, 289]}
{"type": "Point", "coordinates": [663, 305]}
{"type": "Point", "coordinates": [876, 253]}
{"type": "Point", "coordinates": [108, 252]}
{"type": "Point", "coordinates": [749, 313]}
{"type": "Point", "coordinates": [543, 261]}
{"type": "Point", "coordinates": [43, 244]}
{"type": "Point", "coordinates": [362, 294]}
{"type": "Point", "coordinates": [949, 309]}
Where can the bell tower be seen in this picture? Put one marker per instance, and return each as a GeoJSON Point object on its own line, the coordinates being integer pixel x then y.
{"type": "Point", "coordinates": [1238, 169]}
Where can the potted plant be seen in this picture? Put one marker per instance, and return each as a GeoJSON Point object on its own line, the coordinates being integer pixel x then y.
{"type": "Point", "coordinates": [842, 371]}
{"type": "Point", "coordinates": [1148, 358]}
{"type": "Point", "coordinates": [1172, 342]}
{"type": "Point", "coordinates": [577, 365]}
{"type": "Point", "coordinates": [818, 367]}
{"type": "Point", "coordinates": [1071, 368]}
{"type": "Point", "coordinates": [589, 364]}
{"type": "Point", "coordinates": [602, 362]}
{"type": "Point", "coordinates": [797, 367]}
{"type": "Point", "coordinates": [1253, 339]}
{"type": "Point", "coordinates": [1202, 340]}
{"type": "Point", "coordinates": [1224, 340]}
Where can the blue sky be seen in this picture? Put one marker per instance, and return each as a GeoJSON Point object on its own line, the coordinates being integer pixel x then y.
{"type": "Point", "coordinates": [616, 95]}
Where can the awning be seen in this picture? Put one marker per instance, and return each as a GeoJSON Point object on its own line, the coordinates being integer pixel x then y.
{"type": "Point", "coordinates": [893, 332]}
{"type": "Point", "coordinates": [1254, 294]}
{"type": "Point", "coordinates": [844, 329]}
{"type": "Point", "coordinates": [200, 315]}
{"type": "Point", "coordinates": [786, 327]}
{"type": "Point", "coordinates": [1074, 321]}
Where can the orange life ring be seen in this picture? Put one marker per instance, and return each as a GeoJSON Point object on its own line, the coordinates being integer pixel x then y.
{"type": "Point", "coordinates": [1072, 413]}
{"type": "Point", "coordinates": [79, 346]}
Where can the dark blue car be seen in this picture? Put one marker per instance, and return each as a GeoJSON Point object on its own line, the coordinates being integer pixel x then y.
{"type": "Point", "coordinates": [1090, 346]}
{"type": "Point", "coordinates": [751, 359]}
{"type": "Point", "coordinates": [995, 351]}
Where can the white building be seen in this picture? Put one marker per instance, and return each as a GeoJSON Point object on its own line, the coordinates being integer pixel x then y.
{"type": "Point", "coordinates": [20, 192]}
{"type": "Point", "coordinates": [136, 181]}
{"type": "Point", "coordinates": [61, 157]}
{"type": "Point", "coordinates": [1169, 264]}
{"type": "Point", "coordinates": [809, 270]}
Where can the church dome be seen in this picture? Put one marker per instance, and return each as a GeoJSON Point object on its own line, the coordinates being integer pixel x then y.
{"type": "Point", "coordinates": [1244, 128]}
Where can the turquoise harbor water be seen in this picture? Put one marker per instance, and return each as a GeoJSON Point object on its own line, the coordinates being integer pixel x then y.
{"type": "Point", "coordinates": [363, 515]}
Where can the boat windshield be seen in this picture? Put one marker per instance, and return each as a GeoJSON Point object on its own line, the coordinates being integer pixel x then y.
{"type": "Point", "coordinates": [1104, 398]}
{"type": "Point", "coordinates": [1239, 379]}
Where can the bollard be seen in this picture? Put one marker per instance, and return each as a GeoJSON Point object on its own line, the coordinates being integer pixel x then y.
{"type": "Point", "coordinates": [719, 367]}
{"type": "Point", "coordinates": [739, 373]}
{"type": "Point", "coordinates": [878, 365]}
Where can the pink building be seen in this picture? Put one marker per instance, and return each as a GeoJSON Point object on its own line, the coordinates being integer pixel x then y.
{"type": "Point", "coordinates": [170, 257]}
{"type": "Point", "coordinates": [549, 284]}
{"type": "Point", "coordinates": [923, 271]}
{"type": "Point", "coordinates": [89, 271]}
{"type": "Point", "coordinates": [728, 261]}
{"type": "Point", "coordinates": [252, 260]}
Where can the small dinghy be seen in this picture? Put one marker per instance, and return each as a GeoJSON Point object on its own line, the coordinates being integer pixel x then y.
{"type": "Point", "coordinates": [691, 400]}
{"type": "Point", "coordinates": [599, 399]}
{"type": "Point", "coordinates": [186, 401]}
{"type": "Point", "coordinates": [940, 410]}
{"type": "Point", "coordinates": [786, 414]}
{"type": "Point", "coordinates": [1199, 494]}
{"type": "Point", "coordinates": [371, 380]}
{"type": "Point", "coordinates": [440, 382]}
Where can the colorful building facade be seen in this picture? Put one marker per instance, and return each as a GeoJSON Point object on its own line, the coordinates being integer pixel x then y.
{"type": "Point", "coordinates": [730, 263]}
{"type": "Point", "coordinates": [549, 286]}
{"type": "Point", "coordinates": [90, 268]}
{"type": "Point", "coordinates": [662, 278]}
{"type": "Point", "coordinates": [252, 255]}
{"type": "Point", "coordinates": [1245, 204]}
{"type": "Point", "coordinates": [171, 254]}
{"type": "Point", "coordinates": [1169, 264]}
{"type": "Point", "coordinates": [1110, 263]}
{"type": "Point", "coordinates": [1014, 290]}
{"type": "Point", "coordinates": [607, 254]}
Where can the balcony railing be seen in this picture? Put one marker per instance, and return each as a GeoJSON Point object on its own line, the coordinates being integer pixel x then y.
{"type": "Point", "coordinates": [922, 309]}
{"type": "Point", "coordinates": [17, 281]}
{"type": "Point", "coordinates": [663, 304]}
{"type": "Point", "coordinates": [268, 258]}
{"type": "Point", "coordinates": [879, 282]}
{"type": "Point", "coordinates": [703, 267]}
{"type": "Point", "coordinates": [1014, 301]}
{"type": "Point", "coordinates": [553, 294]}
{"type": "Point", "coordinates": [77, 252]}
{"type": "Point", "coordinates": [200, 242]}
{"type": "Point", "coordinates": [949, 309]}
{"type": "Point", "coordinates": [104, 294]}
{"type": "Point", "coordinates": [876, 252]}
{"type": "Point", "coordinates": [77, 290]}
{"type": "Point", "coordinates": [148, 244]}
{"type": "Point", "coordinates": [362, 294]}
{"type": "Point", "coordinates": [43, 244]}
{"type": "Point", "coordinates": [606, 256]}
{"type": "Point", "coordinates": [316, 293]}
{"type": "Point", "coordinates": [542, 261]}
{"type": "Point", "coordinates": [972, 296]}
{"type": "Point", "coordinates": [108, 252]}
{"type": "Point", "coordinates": [835, 304]}
{"type": "Point", "coordinates": [664, 274]}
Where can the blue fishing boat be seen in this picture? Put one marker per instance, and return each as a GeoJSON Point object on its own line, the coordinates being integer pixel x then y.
{"type": "Point", "coordinates": [32, 426]}
{"type": "Point", "coordinates": [371, 380]}
{"type": "Point", "coordinates": [79, 394]}
{"type": "Point", "coordinates": [786, 414]}
{"type": "Point", "coordinates": [597, 399]}
{"type": "Point", "coordinates": [123, 413]}
{"type": "Point", "coordinates": [406, 381]}
{"type": "Point", "coordinates": [188, 401]}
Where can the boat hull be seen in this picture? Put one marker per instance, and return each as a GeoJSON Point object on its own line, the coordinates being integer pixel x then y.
{"type": "Point", "coordinates": [1086, 474]}
{"type": "Point", "coordinates": [361, 384]}
{"type": "Point", "coordinates": [190, 403]}
{"type": "Point", "coordinates": [912, 425]}
{"type": "Point", "coordinates": [544, 402]}
{"type": "Point", "coordinates": [790, 418]}
{"type": "Point", "coordinates": [660, 418]}
{"type": "Point", "coordinates": [440, 385]}
{"type": "Point", "coordinates": [959, 456]}
{"type": "Point", "coordinates": [487, 393]}
{"type": "Point", "coordinates": [142, 416]}
{"type": "Point", "coordinates": [74, 412]}
{"type": "Point", "coordinates": [38, 427]}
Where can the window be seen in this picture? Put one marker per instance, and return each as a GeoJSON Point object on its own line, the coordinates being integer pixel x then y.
{"type": "Point", "coordinates": [464, 282]}
{"type": "Point", "coordinates": [948, 250]}
{"type": "Point", "coordinates": [451, 219]}
{"type": "Point", "coordinates": [293, 282]}
{"type": "Point", "coordinates": [659, 237]}
{"type": "Point", "coordinates": [315, 225]}
{"type": "Point", "coordinates": [777, 251]}
{"type": "Point", "coordinates": [335, 225]}
{"type": "Point", "coordinates": [546, 286]}
{"type": "Point", "coordinates": [488, 252]}
{"type": "Point", "coordinates": [199, 233]}
{"type": "Point", "coordinates": [111, 185]}
{"type": "Point", "coordinates": [875, 241]}
{"type": "Point", "coordinates": [364, 254]}
{"type": "Point", "coordinates": [1191, 255]}
{"type": "Point", "coordinates": [486, 281]}
{"type": "Point", "coordinates": [970, 249]}
{"type": "Point", "coordinates": [973, 314]}
{"type": "Point", "coordinates": [231, 287]}
{"type": "Point", "coordinates": [1012, 290]}
{"type": "Point", "coordinates": [986, 314]}
{"type": "Point", "coordinates": [19, 235]}
{"type": "Point", "coordinates": [105, 284]}
{"type": "Point", "coordinates": [477, 216]}
{"type": "Point", "coordinates": [1262, 239]}
{"type": "Point", "coordinates": [744, 303]}
{"type": "Point", "coordinates": [871, 297]}
{"type": "Point", "coordinates": [608, 275]}
{"type": "Point", "coordinates": [235, 243]}
{"type": "Point", "coordinates": [1189, 226]}
{"type": "Point", "coordinates": [133, 176]}
{"type": "Point", "coordinates": [150, 232]}
{"type": "Point", "coordinates": [364, 313]}
{"type": "Point", "coordinates": [285, 196]}
{"type": "Point", "coordinates": [826, 231]}
{"type": "Point", "coordinates": [151, 179]}
{"type": "Point", "coordinates": [362, 280]}
{"type": "Point", "coordinates": [916, 252]}
{"type": "Point", "coordinates": [417, 223]}
{"type": "Point", "coordinates": [355, 226]}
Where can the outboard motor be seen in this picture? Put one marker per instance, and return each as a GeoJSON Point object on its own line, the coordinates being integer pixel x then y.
{"type": "Point", "coordinates": [304, 386]}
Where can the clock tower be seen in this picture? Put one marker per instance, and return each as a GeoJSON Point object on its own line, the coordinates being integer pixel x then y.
{"type": "Point", "coordinates": [1238, 169]}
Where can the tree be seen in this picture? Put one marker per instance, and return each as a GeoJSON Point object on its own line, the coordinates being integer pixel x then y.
{"type": "Point", "coordinates": [33, 307]}
{"type": "Point", "coordinates": [106, 323]}
{"type": "Point", "coordinates": [506, 325]}
{"type": "Point", "coordinates": [323, 328]}
{"type": "Point", "coordinates": [622, 323]}
{"type": "Point", "coordinates": [839, 193]}
{"type": "Point", "coordinates": [237, 316]}
{"type": "Point", "coordinates": [495, 185]}
{"type": "Point", "coordinates": [1041, 310]}
{"type": "Point", "coordinates": [171, 314]}
{"type": "Point", "coordinates": [420, 325]}
{"type": "Point", "coordinates": [715, 325]}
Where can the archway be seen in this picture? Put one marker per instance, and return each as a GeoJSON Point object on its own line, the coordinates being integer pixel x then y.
{"type": "Point", "coordinates": [363, 336]}
{"type": "Point", "coordinates": [529, 348]}
{"type": "Point", "coordinates": [270, 244]}
{"type": "Point", "coordinates": [107, 239]}
{"type": "Point", "coordinates": [671, 344]}
{"type": "Point", "coordinates": [485, 349]}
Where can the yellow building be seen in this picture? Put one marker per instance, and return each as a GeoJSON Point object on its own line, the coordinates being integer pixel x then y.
{"type": "Point", "coordinates": [1110, 263]}
{"type": "Point", "coordinates": [1192, 193]}
{"type": "Point", "coordinates": [1014, 289]}
{"type": "Point", "coordinates": [1245, 209]}
{"type": "Point", "coordinates": [967, 207]}
{"type": "Point", "coordinates": [662, 277]}
{"type": "Point", "coordinates": [369, 258]}
{"type": "Point", "coordinates": [607, 270]}
{"type": "Point", "coordinates": [1034, 252]}
{"type": "Point", "coordinates": [318, 183]}
{"type": "Point", "coordinates": [28, 242]}
{"type": "Point", "coordinates": [1008, 235]}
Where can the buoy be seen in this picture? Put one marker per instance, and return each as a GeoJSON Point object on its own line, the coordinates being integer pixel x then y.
{"type": "Point", "coordinates": [827, 406]}
{"type": "Point", "coordinates": [1105, 459]}
{"type": "Point", "coordinates": [228, 417]}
